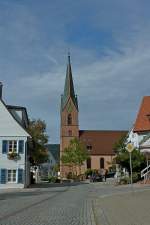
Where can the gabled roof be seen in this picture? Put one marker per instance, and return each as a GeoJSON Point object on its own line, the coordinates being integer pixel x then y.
{"type": "Point", "coordinates": [10, 126]}
{"type": "Point", "coordinates": [55, 151]}
{"type": "Point", "coordinates": [69, 88]}
{"type": "Point", "coordinates": [142, 123]}
{"type": "Point", "coordinates": [102, 141]}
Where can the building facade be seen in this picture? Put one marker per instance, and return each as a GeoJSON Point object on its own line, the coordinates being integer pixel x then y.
{"type": "Point", "coordinates": [99, 143]}
{"type": "Point", "coordinates": [14, 160]}
{"type": "Point", "coordinates": [50, 167]}
{"type": "Point", "coordinates": [141, 127]}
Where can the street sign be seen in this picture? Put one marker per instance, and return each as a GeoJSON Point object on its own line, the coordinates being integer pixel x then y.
{"type": "Point", "coordinates": [130, 147]}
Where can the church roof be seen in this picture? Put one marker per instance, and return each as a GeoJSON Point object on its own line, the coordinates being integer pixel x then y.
{"type": "Point", "coordinates": [101, 142]}
{"type": "Point", "coordinates": [69, 88]}
{"type": "Point", "coordinates": [142, 122]}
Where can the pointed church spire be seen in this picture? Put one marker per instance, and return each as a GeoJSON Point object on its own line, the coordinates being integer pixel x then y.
{"type": "Point", "coordinates": [69, 86]}
{"type": "Point", "coordinates": [69, 58]}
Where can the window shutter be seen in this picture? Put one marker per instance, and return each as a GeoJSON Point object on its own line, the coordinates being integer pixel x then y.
{"type": "Point", "coordinates": [5, 147]}
{"type": "Point", "coordinates": [21, 147]}
{"type": "Point", "coordinates": [20, 176]}
{"type": "Point", "coordinates": [3, 176]}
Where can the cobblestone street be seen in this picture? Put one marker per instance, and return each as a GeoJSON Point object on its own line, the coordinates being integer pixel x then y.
{"type": "Point", "coordinates": [78, 204]}
{"type": "Point", "coordinates": [53, 205]}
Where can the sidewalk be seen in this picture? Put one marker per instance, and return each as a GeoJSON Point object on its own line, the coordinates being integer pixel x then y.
{"type": "Point", "coordinates": [16, 190]}
{"type": "Point", "coordinates": [40, 187]}
{"type": "Point", "coordinates": [124, 209]}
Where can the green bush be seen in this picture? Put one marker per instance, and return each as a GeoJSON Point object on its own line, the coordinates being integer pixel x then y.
{"type": "Point", "coordinates": [81, 177]}
{"type": "Point", "coordinates": [70, 175]}
{"type": "Point", "coordinates": [90, 172]}
{"type": "Point", "coordinates": [124, 180]}
{"type": "Point", "coordinates": [127, 180]}
{"type": "Point", "coordinates": [52, 179]}
{"type": "Point", "coordinates": [136, 177]}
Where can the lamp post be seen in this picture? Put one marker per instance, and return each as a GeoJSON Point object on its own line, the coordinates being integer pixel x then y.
{"type": "Point", "coordinates": [130, 148]}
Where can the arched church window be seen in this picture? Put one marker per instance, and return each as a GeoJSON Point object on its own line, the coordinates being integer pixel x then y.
{"type": "Point", "coordinates": [69, 119]}
{"type": "Point", "coordinates": [70, 133]}
{"type": "Point", "coordinates": [101, 163]}
{"type": "Point", "coordinates": [88, 162]}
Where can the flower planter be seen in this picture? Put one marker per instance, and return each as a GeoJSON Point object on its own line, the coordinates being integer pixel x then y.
{"type": "Point", "coordinates": [13, 156]}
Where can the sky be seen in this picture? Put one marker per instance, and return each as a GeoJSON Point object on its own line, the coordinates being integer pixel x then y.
{"type": "Point", "coordinates": [109, 43]}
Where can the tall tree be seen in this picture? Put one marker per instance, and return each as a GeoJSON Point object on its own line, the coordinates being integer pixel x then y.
{"type": "Point", "coordinates": [75, 154]}
{"type": "Point", "coordinates": [38, 150]}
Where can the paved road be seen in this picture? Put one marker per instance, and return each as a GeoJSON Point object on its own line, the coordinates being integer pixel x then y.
{"type": "Point", "coordinates": [62, 205]}
{"type": "Point", "coordinates": [122, 205]}
{"type": "Point", "coordinates": [80, 204]}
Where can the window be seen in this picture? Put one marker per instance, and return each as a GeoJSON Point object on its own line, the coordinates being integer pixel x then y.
{"type": "Point", "coordinates": [69, 119]}
{"type": "Point", "coordinates": [101, 163]}
{"type": "Point", "coordinates": [88, 162]}
{"type": "Point", "coordinates": [12, 146]}
{"type": "Point", "coordinates": [70, 133]}
{"type": "Point", "coordinates": [11, 176]}
{"type": "Point", "coordinates": [9, 146]}
{"type": "Point", "coordinates": [50, 161]}
{"type": "Point", "coordinates": [148, 116]}
{"type": "Point", "coordinates": [89, 147]}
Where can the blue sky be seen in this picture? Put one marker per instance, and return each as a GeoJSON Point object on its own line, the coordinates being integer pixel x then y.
{"type": "Point", "coordinates": [110, 54]}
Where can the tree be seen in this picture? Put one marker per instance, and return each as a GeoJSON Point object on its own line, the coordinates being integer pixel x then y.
{"type": "Point", "coordinates": [38, 150]}
{"type": "Point", "coordinates": [122, 158]}
{"type": "Point", "coordinates": [138, 160]}
{"type": "Point", "coordinates": [75, 154]}
{"type": "Point", "coordinates": [120, 145]}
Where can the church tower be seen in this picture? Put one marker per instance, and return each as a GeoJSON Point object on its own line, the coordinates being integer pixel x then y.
{"type": "Point", "coordinates": [69, 116]}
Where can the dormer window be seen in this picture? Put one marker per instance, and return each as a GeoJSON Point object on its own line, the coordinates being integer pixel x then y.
{"type": "Point", "coordinates": [69, 119]}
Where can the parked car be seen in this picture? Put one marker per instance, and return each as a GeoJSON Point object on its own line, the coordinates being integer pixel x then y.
{"type": "Point", "coordinates": [110, 174]}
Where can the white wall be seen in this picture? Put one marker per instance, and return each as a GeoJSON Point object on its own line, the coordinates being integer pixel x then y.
{"type": "Point", "coordinates": [48, 165]}
{"type": "Point", "coordinates": [135, 138]}
{"type": "Point", "coordinates": [8, 125]}
{"type": "Point", "coordinates": [12, 164]}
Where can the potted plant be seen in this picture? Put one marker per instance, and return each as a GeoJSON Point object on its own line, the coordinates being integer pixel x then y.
{"type": "Point", "coordinates": [13, 155]}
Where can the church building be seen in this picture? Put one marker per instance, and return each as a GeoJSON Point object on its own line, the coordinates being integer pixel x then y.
{"type": "Point", "coordinates": [99, 143]}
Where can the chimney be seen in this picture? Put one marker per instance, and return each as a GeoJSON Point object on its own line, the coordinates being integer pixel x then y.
{"type": "Point", "coordinates": [1, 90]}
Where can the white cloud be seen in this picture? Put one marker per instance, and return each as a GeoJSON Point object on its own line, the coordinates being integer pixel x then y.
{"type": "Point", "coordinates": [34, 43]}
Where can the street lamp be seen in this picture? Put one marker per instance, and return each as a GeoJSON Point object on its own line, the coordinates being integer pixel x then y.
{"type": "Point", "coordinates": [130, 148]}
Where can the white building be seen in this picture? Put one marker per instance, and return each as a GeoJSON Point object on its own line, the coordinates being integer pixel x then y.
{"type": "Point", "coordinates": [14, 164]}
{"type": "Point", "coordinates": [53, 160]}
{"type": "Point", "coordinates": [141, 127]}
{"type": "Point", "coordinates": [135, 138]}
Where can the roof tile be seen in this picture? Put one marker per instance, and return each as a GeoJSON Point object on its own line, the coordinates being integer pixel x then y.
{"type": "Point", "coordinates": [102, 142]}
{"type": "Point", "coordinates": [142, 122]}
